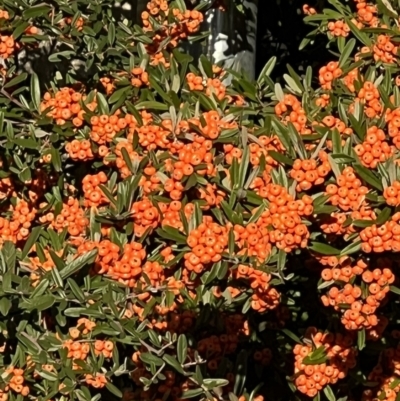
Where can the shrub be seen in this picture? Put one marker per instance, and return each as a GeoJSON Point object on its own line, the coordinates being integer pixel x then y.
{"type": "Point", "coordinates": [167, 236]}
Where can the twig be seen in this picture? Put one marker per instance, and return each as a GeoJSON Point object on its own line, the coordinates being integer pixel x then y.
{"type": "Point", "coordinates": [15, 101]}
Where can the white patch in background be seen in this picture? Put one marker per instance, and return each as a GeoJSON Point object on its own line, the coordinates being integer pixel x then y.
{"type": "Point", "coordinates": [124, 6]}
{"type": "Point", "coordinates": [243, 60]}
{"type": "Point", "coordinates": [127, 7]}
{"type": "Point", "coordinates": [210, 17]}
{"type": "Point", "coordinates": [220, 48]}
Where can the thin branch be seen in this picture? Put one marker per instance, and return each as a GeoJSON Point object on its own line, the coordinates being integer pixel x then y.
{"type": "Point", "coordinates": [12, 99]}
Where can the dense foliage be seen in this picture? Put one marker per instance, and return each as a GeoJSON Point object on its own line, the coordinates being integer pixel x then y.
{"type": "Point", "coordinates": [167, 236]}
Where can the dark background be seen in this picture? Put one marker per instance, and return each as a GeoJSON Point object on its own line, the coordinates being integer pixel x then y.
{"type": "Point", "coordinates": [280, 31]}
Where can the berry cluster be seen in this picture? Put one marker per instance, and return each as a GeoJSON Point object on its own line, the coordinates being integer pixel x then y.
{"type": "Point", "coordinates": [328, 73]}
{"type": "Point", "coordinates": [362, 298]}
{"type": "Point", "coordinates": [207, 242]}
{"type": "Point", "coordinates": [383, 238]}
{"type": "Point", "coordinates": [77, 351]}
{"type": "Point", "coordinates": [339, 28]}
{"type": "Point", "coordinates": [284, 215]}
{"type": "Point", "coordinates": [94, 196]}
{"type": "Point", "coordinates": [307, 173]}
{"type": "Point", "coordinates": [374, 149]}
{"type": "Point", "coordinates": [337, 354]}
{"type": "Point", "coordinates": [348, 193]}
{"type": "Point", "coordinates": [65, 106]}
{"type": "Point", "coordinates": [7, 46]}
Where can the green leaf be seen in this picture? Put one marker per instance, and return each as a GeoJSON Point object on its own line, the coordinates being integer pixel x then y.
{"type": "Point", "coordinates": [336, 141]}
{"type": "Point", "coordinates": [394, 384]}
{"type": "Point", "coordinates": [10, 255]}
{"type": "Point", "coordinates": [368, 176]}
{"type": "Point", "coordinates": [383, 216]}
{"type": "Point", "coordinates": [26, 143]}
{"type": "Point", "coordinates": [329, 393]}
{"type": "Point", "coordinates": [361, 339]}
{"type": "Point", "coordinates": [292, 84]}
{"type": "Point", "coordinates": [304, 43]}
{"type": "Point", "coordinates": [334, 165]}
{"type": "Point", "coordinates": [15, 81]}
{"type": "Point", "coordinates": [152, 105]}
{"type": "Point", "coordinates": [20, 29]}
{"type": "Point", "coordinates": [207, 102]}
{"type": "Point", "coordinates": [212, 383]}
{"type": "Point", "coordinates": [55, 57]}
{"type": "Point", "coordinates": [206, 65]}
{"type": "Point", "coordinates": [55, 274]}
{"type": "Point", "coordinates": [128, 161]}
{"type": "Point", "coordinates": [103, 104]}
{"type": "Point", "coordinates": [281, 263]}
{"type": "Point", "coordinates": [182, 57]}
{"type": "Point", "coordinates": [154, 85]}
{"type": "Point", "coordinates": [243, 167]}
{"type": "Point", "coordinates": [395, 289]}
{"type": "Point", "coordinates": [149, 358]}
{"type": "Point", "coordinates": [279, 157]}
{"type": "Point", "coordinates": [241, 372]}
{"type": "Point", "coordinates": [351, 248]}
{"type": "Point", "coordinates": [111, 34]}
{"type": "Point", "coordinates": [5, 306]}
{"type": "Point", "coordinates": [342, 158]}
{"type": "Point", "coordinates": [266, 71]}
{"type": "Point", "coordinates": [57, 260]}
{"type": "Point", "coordinates": [40, 288]}
{"type": "Point", "coordinates": [125, 28]}
{"type": "Point", "coordinates": [29, 342]}
{"type": "Point", "coordinates": [283, 135]}
{"type": "Point", "coordinates": [36, 11]}
{"type": "Point", "coordinates": [316, 357]}
{"type": "Point", "coordinates": [324, 249]}
{"type": "Point", "coordinates": [76, 312]}
{"type": "Point", "coordinates": [295, 78]}
{"type": "Point", "coordinates": [114, 390]}
{"type": "Point", "coordinates": [31, 241]}
{"type": "Point", "coordinates": [257, 214]}
{"type": "Point", "coordinates": [52, 377]}
{"type": "Point", "coordinates": [200, 37]}
{"type": "Point", "coordinates": [35, 91]}
{"type": "Point", "coordinates": [7, 282]}
{"type": "Point", "coordinates": [106, 191]}
{"type": "Point", "coordinates": [291, 335]}
{"type": "Point", "coordinates": [297, 141]}
{"type": "Point", "coordinates": [347, 52]}
{"type": "Point", "coordinates": [56, 159]}
{"type": "Point", "coordinates": [358, 126]}
{"type": "Point", "coordinates": [192, 393]}
{"type": "Point", "coordinates": [116, 96]}
{"type": "Point", "coordinates": [182, 348]}
{"type": "Point", "coordinates": [181, 5]}
{"type": "Point", "coordinates": [210, 276]}
{"type": "Point", "coordinates": [43, 302]}
{"type": "Point", "coordinates": [279, 92]}
{"type": "Point", "coordinates": [78, 263]}
{"type": "Point", "coordinates": [361, 36]}
{"type": "Point", "coordinates": [170, 360]}
{"type": "Point", "coordinates": [387, 9]}
{"type": "Point", "coordinates": [88, 31]}
{"type": "Point", "coordinates": [172, 234]}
